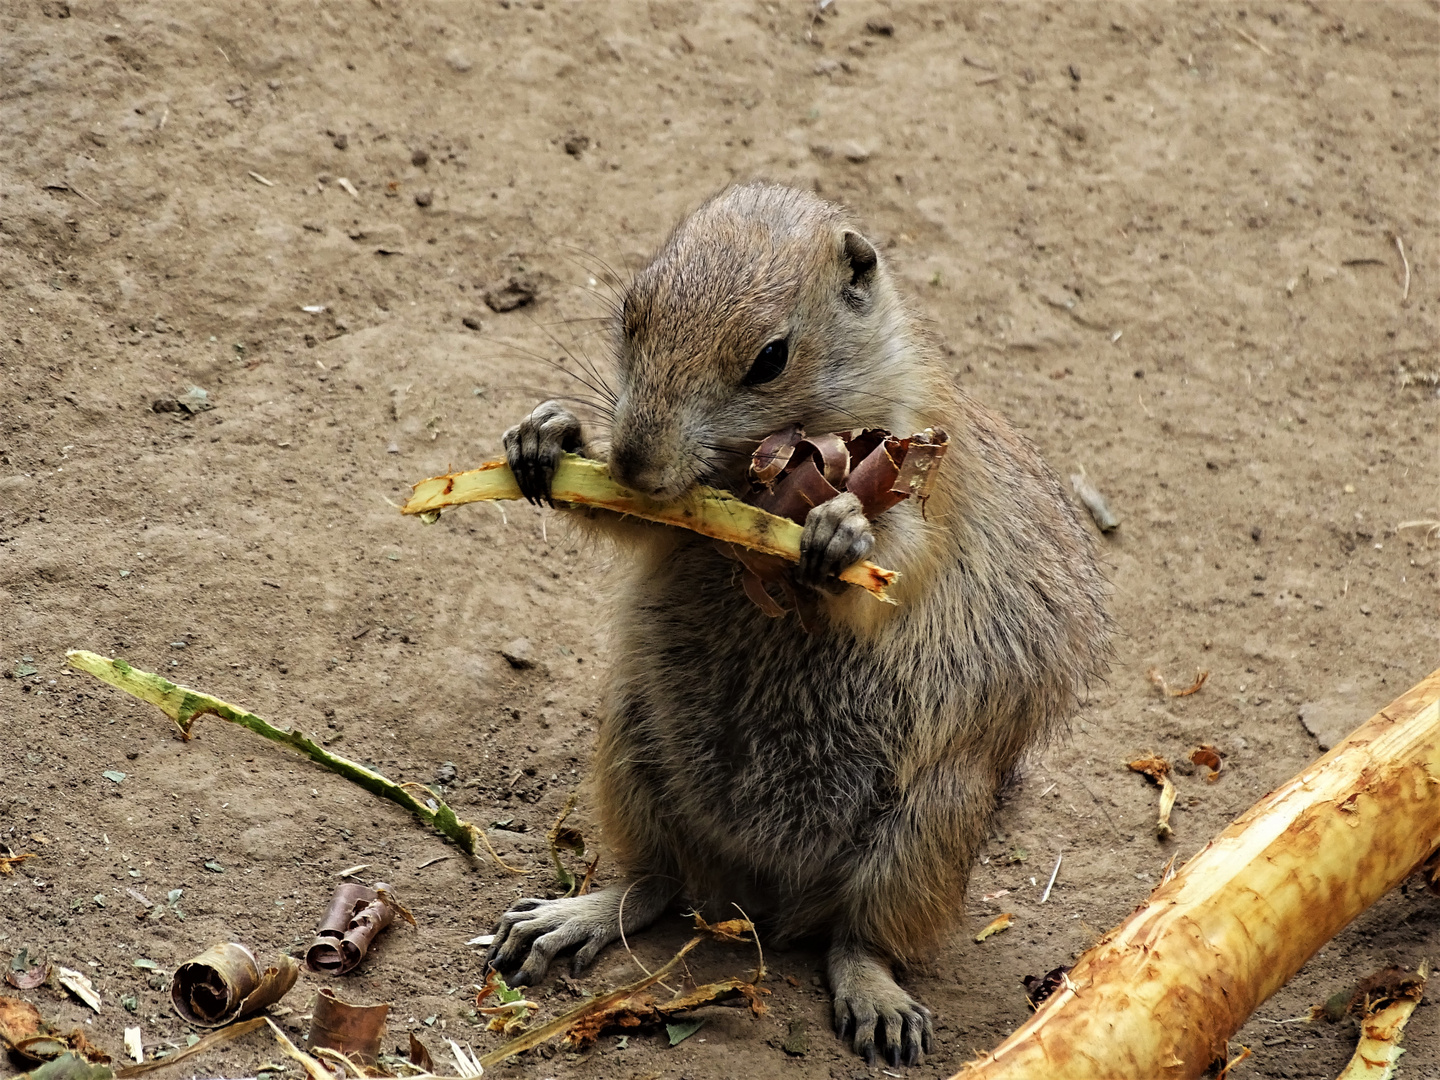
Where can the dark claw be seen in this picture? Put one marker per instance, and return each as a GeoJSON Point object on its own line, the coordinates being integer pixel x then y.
{"type": "Point", "coordinates": [892, 1055]}
{"type": "Point", "coordinates": [867, 1051]}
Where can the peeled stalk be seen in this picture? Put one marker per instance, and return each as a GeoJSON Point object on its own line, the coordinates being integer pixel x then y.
{"type": "Point", "coordinates": [582, 482]}
{"type": "Point", "coordinates": [1161, 994]}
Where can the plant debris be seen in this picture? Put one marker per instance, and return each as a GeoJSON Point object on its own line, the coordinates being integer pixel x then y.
{"type": "Point", "coordinates": [791, 473]}
{"type": "Point", "coordinates": [420, 1055]}
{"type": "Point", "coordinates": [352, 1030]}
{"type": "Point", "coordinates": [79, 985]}
{"type": "Point", "coordinates": [1090, 496]}
{"type": "Point", "coordinates": [995, 926]}
{"type": "Point", "coordinates": [1208, 757]}
{"type": "Point", "coordinates": [9, 859]}
{"type": "Point", "coordinates": [571, 840]}
{"type": "Point", "coordinates": [225, 983]}
{"type": "Point", "coordinates": [628, 1007]}
{"type": "Point", "coordinates": [1386, 1000]}
{"type": "Point", "coordinates": [27, 1035]}
{"type": "Point", "coordinates": [1040, 987]}
{"type": "Point", "coordinates": [355, 916]}
{"type": "Point", "coordinates": [1153, 674]}
{"type": "Point", "coordinates": [1158, 770]}
{"type": "Point", "coordinates": [514, 1010]}
{"type": "Point", "coordinates": [184, 706]}
{"type": "Point", "coordinates": [24, 974]}
{"type": "Point", "coordinates": [69, 1067]}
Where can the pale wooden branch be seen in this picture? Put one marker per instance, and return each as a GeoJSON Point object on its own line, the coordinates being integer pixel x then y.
{"type": "Point", "coordinates": [1161, 994]}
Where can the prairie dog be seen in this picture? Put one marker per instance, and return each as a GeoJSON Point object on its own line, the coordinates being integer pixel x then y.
{"type": "Point", "coordinates": [835, 783]}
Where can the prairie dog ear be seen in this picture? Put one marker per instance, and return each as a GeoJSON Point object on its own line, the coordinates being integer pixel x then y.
{"type": "Point", "coordinates": [861, 260]}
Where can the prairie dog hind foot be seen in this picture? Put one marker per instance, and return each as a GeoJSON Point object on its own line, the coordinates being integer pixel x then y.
{"type": "Point", "coordinates": [872, 1012]}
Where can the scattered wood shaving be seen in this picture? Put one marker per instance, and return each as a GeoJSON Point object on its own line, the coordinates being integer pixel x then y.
{"type": "Point", "coordinates": [344, 182]}
{"type": "Point", "coordinates": [215, 1038]}
{"type": "Point", "coordinates": [133, 1045]}
{"type": "Point", "coordinates": [1053, 874]}
{"type": "Point", "coordinates": [1385, 1012]}
{"type": "Point", "coordinates": [256, 176]}
{"type": "Point", "coordinates": [1400, 247]}
{"type": "Point", "coordinates": [1153, 674]}
{"type": "Point", "coordinates": [995, 926]}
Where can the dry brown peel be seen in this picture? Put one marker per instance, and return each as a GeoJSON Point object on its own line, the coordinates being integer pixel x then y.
{"type": "Point", "coordinates": [355, 917]}
{"type": "Point", "coordinates": [225, 983]}
{"type": "Point", "coordinates": [352, 1030]}
{"type": "Point", "coordinates": [1158, 770]}
{"type": "Point", "coordinates": [1153, 674]}
{"type": "Point", "coordinates": [1208, 757]}
{"type": "Point", "coordinates": [9, 860]}
{"type": "Point", "coordinates": [995, 926]}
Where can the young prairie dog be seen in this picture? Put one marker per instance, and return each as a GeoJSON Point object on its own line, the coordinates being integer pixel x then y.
{"type": "Point", "coordinates": [836, 783]}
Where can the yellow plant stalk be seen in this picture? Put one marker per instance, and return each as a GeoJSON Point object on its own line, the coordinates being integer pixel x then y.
{"type": "Point", "coordinates": [1160, 994]}
{"type": "Point", "coordinates": [583, 482]}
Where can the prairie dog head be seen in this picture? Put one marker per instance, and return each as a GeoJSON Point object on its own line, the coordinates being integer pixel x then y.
{"type": "Point", "coordinates": [765, 307]}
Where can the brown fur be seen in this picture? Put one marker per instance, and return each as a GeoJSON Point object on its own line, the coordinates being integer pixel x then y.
{"type": "Point", "coordinates": [837, 782]}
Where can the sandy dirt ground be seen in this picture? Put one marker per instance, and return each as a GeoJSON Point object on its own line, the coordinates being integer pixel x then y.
{"type": "Point", "coordinates": [1161, 238]}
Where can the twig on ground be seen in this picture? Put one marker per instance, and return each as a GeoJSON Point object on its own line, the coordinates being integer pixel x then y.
{"type": "Point", "coordinates": [1400, 247]}
{"type": "Point", "coordinates": [184, 706]}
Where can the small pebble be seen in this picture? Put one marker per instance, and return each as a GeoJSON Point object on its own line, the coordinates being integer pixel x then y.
{"type": "Point", "coordinates": [420, 157]}
{"type": "Point", "coordinates": [519, 653]}
{"type": "Point", "coordinates": [424, 198]}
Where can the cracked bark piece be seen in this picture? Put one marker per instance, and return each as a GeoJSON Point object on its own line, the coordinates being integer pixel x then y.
{"type": "Point", "coordinates": [923, 452]}
{"type": "Point", "coordinates": [873, 480]}
{"type": "Point", "coordinates": [834, 457]}
{"type": "Point", "coordinates": [355, 916]}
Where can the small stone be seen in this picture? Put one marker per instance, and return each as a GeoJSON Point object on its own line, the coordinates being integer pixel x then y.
{"type": "Point", "coordinates": [516, 291]}
{"type": "Point", "coordinates": [472, 322]}
{"type": "Point", "coordinates": [576, 143]}
{"type": "Point", "coordinates": [796, 1043]}
{"type": "Point", "coordinates": [519, 653]}
{"type": "Point", "coordinates": [1256, 533]}
{"type": "Point", "coordinates": [419, 157]}
{"type": "Point", "coordinates": [880, 27]}
{"type": "Point", "coordinates": [459, 61]}
{"type": "Point", "coordinates": [424, 198]}
{"type": "Point", "coordinates": [341, 141]}
{"type": "Point", "coordinates": [393, 448]}
{"type": "Point", "coordinates": [855, 153]}
{"type": "Point", "coordinates": [447, 774]}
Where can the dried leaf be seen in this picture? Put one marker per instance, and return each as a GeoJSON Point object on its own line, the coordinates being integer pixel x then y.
{"type": "Point", "coordinates": [921, 463]}
{"type": "Point", "coordinates": [313, 1068]}
{"type": "Point", "coordinates": [18, 1020]}
{"type": "Point", "coordinates": [1210, 758]}
{"type": "Point", "coordinates": [420, 1055]}
{"type": "Point", "coordinates": [996, 925]}
{"type": "Point", "coordinates": [225, 983]}
{"type": "Point", "coordinates": [355, 916]}
{"type": "Point", "coordinates": [353, 1030]}
{"type": "Point", "coordinates": [873, 481]}
{"type": "Point", "coordinates": [798, 492]}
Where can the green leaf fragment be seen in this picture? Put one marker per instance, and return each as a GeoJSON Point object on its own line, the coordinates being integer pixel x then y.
{"type": "Point", "coordinates": [147, 965]}
{"type": "Point", "coordinates": [680, 1032]}
{"type": "Point", "coordinates": [26, 669]}
{"type": "Point", "coordinates": [214, 867]}
{"type": "Point", "coordinates": [113, 774]}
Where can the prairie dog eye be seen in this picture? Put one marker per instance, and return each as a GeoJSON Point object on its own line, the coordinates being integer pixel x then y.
{"type": "Point", "coordinates": [769, 364]}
